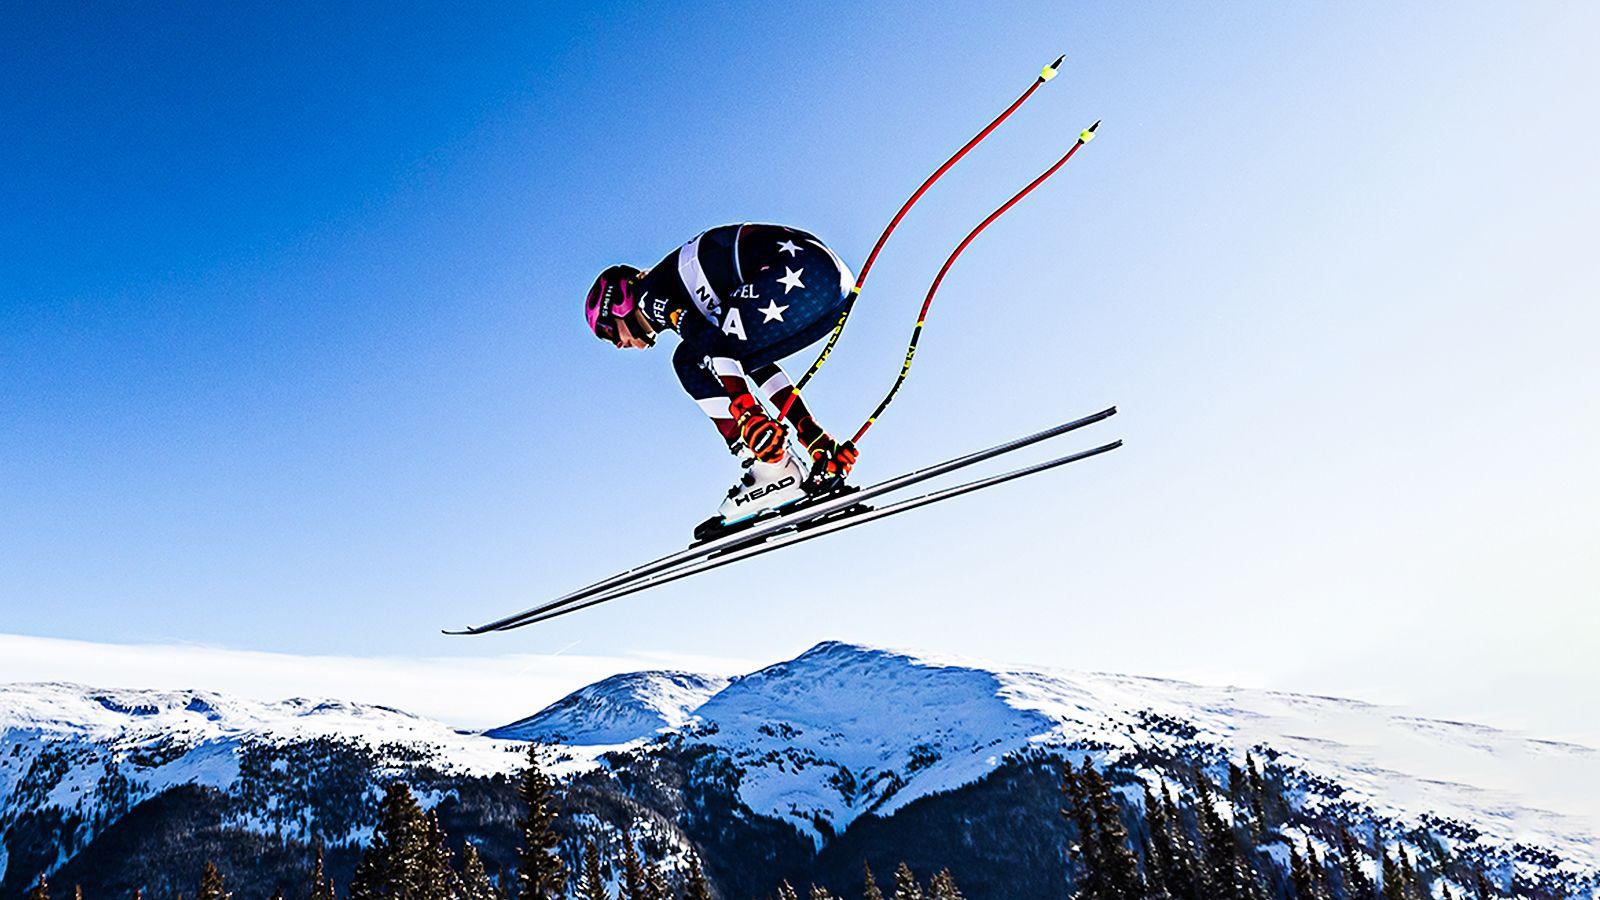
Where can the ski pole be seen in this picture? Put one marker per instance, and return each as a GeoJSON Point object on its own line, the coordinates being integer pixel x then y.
{"type": "Point", "coordinates": [1045, 74]}
{"type": "Point", "coordinates": [1084, 137]}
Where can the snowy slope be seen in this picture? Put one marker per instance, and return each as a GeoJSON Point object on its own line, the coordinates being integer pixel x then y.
{"type": "Point", "coordinates": [893, 727]}
{"type": "Point", "coordinates": [619, 709]}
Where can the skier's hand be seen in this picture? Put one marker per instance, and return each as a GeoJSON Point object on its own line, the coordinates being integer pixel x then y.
{"type": "Point", "coordinates": [765, 437]}
{"type": "Point", "coordinates": [831, 460]}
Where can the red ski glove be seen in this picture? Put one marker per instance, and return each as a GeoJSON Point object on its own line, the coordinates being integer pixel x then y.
{"type": "Point", "coordinates": [831, 460]}
{"type": "Point", "coordinates": [760, 433]}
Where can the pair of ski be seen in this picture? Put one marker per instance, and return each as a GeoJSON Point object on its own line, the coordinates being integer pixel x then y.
{"type": "Point", "coordinates": [795, 525]}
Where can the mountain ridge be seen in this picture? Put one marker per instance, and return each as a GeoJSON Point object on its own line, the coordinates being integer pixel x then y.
{"type": "Point", "coordinates": [841, 734]}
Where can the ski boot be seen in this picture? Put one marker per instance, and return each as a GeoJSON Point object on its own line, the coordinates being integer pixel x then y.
{"type": "Point", "coordinates": [762, 488]}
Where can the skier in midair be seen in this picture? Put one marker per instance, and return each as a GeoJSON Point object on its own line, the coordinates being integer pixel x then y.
{"type": "Point", "coordinates": [741, 297]}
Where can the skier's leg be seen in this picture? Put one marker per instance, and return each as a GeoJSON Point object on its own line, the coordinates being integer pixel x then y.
{"type": "Point", "coordinates": [707, 391]}
{"type": "Point", "coordinates": [777, 387]}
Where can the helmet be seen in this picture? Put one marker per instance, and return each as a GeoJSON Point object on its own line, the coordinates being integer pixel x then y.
{"type": "Point", "coordinates": [611, 297]}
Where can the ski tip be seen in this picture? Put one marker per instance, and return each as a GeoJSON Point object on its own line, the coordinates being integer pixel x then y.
{"type": "Point", "coordinates": [462, 631]}
{"type": "Point", "coordinates": [1049, 72]}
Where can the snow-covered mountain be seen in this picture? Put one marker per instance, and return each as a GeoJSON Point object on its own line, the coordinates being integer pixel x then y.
{"type": "Point", "coordinates": [839, 736]}
{"type": "Point", "coordinates": [617, 710]}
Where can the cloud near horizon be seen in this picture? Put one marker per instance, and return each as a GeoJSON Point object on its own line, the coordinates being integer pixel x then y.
{"type": "Point", "coordinates": [466, 692]}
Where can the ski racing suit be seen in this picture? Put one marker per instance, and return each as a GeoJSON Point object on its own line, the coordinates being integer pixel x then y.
{"type": "Point", "coordinates": [742, 297]}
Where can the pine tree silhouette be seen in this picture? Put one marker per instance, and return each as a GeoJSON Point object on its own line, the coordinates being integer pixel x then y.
{"type": "Point", "coordinates": [655, 884]}
{"type": "Point", "coordinates": [696, 887]}
{"type": "Point", "coordinates": [40, 889]}
{"type": "Point", "coordinates": [211, 884]}
{"type": "Point", "coordinates": [818, 893]}
{"type": "Point", "coordinates": [1258, 816]}
{"type": "Point", "coordinates": [592, 886]}
{"type": "Point", "coordinates": [77, 892]}
{"type": "Point", "coordinates": [943, 887]}
{"type": "Point", "coordinates": [321, 885]}
{"type": "Point", "coordinates": [1091, 869]}
{"type": "Point", "coordinates": [1230, 874]}
{"type": "Point", "coordinates": [475, 882]}
{"type": "Point", "coordinates": [905, 884]}
{"type": "Point", "coordinates": [785, 892]}
{"type": "Point", "coordinates": [406, 859]}
{"type": "Point", "coordinates": [1156, 847]}
{"type": "Point", "coordinates": [633, 886]}
{"type": "Point", "coordinates": [1186, 871]}
{"type": "Point", "coordinates": [869, 888]}
{"type": "Point", "coordinates": [541, 875]}
{"type": "Point", "coordinates": [1121, 880]}
{"type": "Point", "coordinates": [1357, 886]}
{"type": "Point", "coordinates": [1303, 876]}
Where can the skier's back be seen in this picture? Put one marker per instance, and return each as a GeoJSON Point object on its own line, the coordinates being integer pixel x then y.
{"type": "Point", "coordinates": [741, 297]}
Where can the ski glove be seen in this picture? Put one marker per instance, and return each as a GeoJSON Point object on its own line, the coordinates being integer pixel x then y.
{"type": "Point", "coordinates": [764, 437]}
{"type": "Point", "coordinates": [831, 460]}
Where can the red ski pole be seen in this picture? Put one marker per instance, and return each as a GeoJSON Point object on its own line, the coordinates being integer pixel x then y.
{"type": "Point", "coordinates": [1084, 137]}
{"type": "Point", "coordinates": [1045, 74]}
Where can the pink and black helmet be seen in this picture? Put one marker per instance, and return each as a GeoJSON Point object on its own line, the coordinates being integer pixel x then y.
{"type": "Point", "coordinates": [609, 299]}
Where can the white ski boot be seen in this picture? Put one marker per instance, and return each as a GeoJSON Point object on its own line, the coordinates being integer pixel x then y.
{"type": "Point", "coordinates": [761, 487]}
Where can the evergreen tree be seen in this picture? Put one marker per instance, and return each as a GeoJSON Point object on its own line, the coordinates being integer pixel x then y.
{"type": "Point", "coordinates": [785, 892]}
{"type": "Point", "coordinates": [1303, 875]}
{"type": "Point", "coordinates": [77, 892]}
{"type": "Point", "coordinates": [475, 883]}
{"type": "Point", "coordinates": [277, 894]}
{"type": "Point", "coordinates": [40, 889]}
{"type": "Point", "coordinates": [905, 884]}
{"type": "Point", "coordinates": [1357, 886]}
{"type": "Point", "coordinates": [439, 862]}
{"type": "Point", "coordinates": [211, 884]}
{"type": "Point", "coordinates": [1085, 850]}
{"type": "Point", "coordinates": [869, 889]}
{"type": "Point", "coordinates": [1319, 872]}
{"type": "Point", "coordinates": [541, 874]}
{"type": "Point", "coordinates": [321, 884]}
{"type": "Point", "coordinates": [632, 871]}
{"type": "Point", "coordinates": [818, 893]}
{"type": "Point", "coordinates": [1394, 887]}
{"type": "Point", "coordinates": [593, 884]}
{"type": "Point", "coordinates": [1121, 876]}
{"type": "Point", "coordinates": [1228, 870]}
{"type": "Point", "coordinates": [1257, 788]}
{"type": "Point", "coordinates": [696, 887]}
{"type": "Point", "coordinates": [1480, 885]}
{"type": "Point", "coordinates": [1408, 872]}
{"type": "Point", "coordinates": [943, 887]}
{"type": "Point", "coordinates": [655, 884]}
{"type": "Point", "coordinates": [1157, 847]}
{"type": "Point", "coordinates": [1185, 870]}
{"type": "Point", "coordinates": [406, 859]}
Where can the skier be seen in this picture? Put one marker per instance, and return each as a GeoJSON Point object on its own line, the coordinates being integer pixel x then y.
{"type": "Point", "coordinates": [741, 297]}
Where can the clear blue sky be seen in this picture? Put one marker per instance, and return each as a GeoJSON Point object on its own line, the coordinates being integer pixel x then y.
{"type": "Point", "coordinates": [291, 356]}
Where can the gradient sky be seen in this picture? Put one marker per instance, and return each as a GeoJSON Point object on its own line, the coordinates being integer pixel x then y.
{"type": "Point", "coordinates": [291, 359]}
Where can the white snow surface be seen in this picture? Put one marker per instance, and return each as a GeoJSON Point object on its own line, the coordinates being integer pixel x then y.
{"type": "Point", "coordinates": [618, 709]}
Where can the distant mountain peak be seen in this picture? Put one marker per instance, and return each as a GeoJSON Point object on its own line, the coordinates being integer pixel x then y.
{"type": "Point", "coordinates": [616, 710]}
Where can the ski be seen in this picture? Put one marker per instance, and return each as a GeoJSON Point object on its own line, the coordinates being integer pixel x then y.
{"type": "Point", "coordinates": [841, 522]}
{"type": "Point", "coordinates": [786, 519]}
